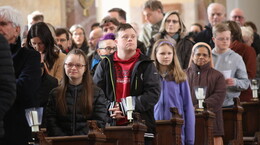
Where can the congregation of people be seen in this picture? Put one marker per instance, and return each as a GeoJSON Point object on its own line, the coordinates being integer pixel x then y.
{"type": "Point", "coordinates": [78, 77]}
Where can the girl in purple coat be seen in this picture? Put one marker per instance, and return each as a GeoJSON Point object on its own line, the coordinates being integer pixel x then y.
{"type": "Point", "coordinates": [175, 91]}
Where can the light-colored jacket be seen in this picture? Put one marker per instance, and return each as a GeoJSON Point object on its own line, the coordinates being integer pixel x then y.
{"type": "Point", "coordinates": [230, 60]}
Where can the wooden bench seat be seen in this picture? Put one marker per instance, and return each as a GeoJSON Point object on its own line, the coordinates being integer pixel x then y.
{"type": "Point", "coordinates": [232, 118]}
{"type": "Point", "coordinates": [169, 131]}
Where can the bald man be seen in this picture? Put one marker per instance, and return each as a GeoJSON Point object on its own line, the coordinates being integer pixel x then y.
{"type": "Point", "coordinates": [94, 36]}
{"type": "Point", "coordinates": [216, 14]}
{"type": "Point", "coordinates": [238, 16]}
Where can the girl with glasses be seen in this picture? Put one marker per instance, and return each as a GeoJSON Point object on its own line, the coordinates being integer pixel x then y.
{"type": "Point", "coordinates": [76, 100]}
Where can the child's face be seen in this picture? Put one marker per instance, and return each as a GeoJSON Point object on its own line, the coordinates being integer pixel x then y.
{"type": "Point", "coordinates": [164, 55]}
{"type": "Point", "coordinates": [222, 40]}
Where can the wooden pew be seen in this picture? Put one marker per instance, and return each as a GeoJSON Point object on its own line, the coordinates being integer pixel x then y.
{"type": "Point", "coordinates": [133, 134]}
{"type": "Point", "coordinates": [168, 132]}
{"type": "Point", "coordinates": [251, 122]}
{"type": "Point", "coordinates": [204, 126]}
{"type": "Point", "coordinates": [232, 118]}
{"type": "Point", "coordinates": [94, 137]}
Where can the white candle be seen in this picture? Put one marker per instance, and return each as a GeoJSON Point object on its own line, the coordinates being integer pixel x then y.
{"type": "Point", "coordinates": [129, 103]}
{"type": "Point", "coordinates": [200, 93]}
{"type": "Point", "coordinates": [255, 95]}
{"type": "Point", "coordinates": [35, 123]}
{"type": "Point", "coordinates": [129, 106]}
{"type": "Point", "coordinates": [201, 103]}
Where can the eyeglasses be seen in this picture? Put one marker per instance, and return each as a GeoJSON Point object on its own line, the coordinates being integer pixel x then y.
{"type": "Point", "coordinates": [222, 39]}
{"type": "Point", "coordinates": [239, 17]}
{"type": "Point", "coordinates": [5, 23]}
{"type": "Point", "coordinates": [70, 65]}
{"type": "Point", "coordinates": [109, 48]}
{"type": "Point", "coordinates": [61, 40]}
{"type": "Point", "coordinates": [173, 21]}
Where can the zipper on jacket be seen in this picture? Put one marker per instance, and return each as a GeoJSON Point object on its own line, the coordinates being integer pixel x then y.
{"type": "Point", "coordinates": [74, 113]}
{"type": "Point", "coordinates": [136, 83]}
{"type": "Point", "coordinates": [111, 77]}
{"type": "Point", "coordinates": [199, 77]}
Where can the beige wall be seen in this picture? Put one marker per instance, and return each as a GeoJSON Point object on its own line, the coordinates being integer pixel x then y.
{"type": "Point", "coordinates": [250, 8]}
{"type": "Point", "coordinates": [53, 10]}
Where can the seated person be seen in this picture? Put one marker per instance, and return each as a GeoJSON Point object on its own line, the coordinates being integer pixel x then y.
{"type": "Point", "coordinates": [76, 100]}
{"type": "Point", "coordinates": [202, 74]}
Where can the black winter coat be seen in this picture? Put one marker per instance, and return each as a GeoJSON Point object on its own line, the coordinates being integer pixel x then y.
{"type": "Point", "coordinates": [7, 81]}
{"type": "Point", "coordinates": [206, 36]}
{"type": "Point", "coordinates": [27, 69]}
{"type": "Point", "coordinates": [74, 122]}
{"type": "Point", "coordinates": [145, 86]}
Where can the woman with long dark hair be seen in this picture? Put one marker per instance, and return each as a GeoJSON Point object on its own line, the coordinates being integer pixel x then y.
{"type": "Point", "coordinates": [40, 38]}
{"type": "Point", "coordinates": [76, 100]}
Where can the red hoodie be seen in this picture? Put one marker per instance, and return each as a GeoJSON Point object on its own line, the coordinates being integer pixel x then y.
{"type": "Point", "coordinates": [123, 71]}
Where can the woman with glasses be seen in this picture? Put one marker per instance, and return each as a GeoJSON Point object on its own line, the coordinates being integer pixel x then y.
{"type": "Point", "coordinates": [79, 39]}
{"type": "Point", "coordinates": [175, 91]}
{"type": "Point", "coordinates": [202, 74]}
{"type": "Point", "coordinates": [174, 30]}
{"type": "Point", "coordinates": [76, 100]}
{"type": "Point", "coordinates": [40, 38]}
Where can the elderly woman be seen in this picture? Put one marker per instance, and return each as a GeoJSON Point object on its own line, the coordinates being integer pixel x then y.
{"type": "Point", "coordinates": [173, 30]}
{"type": "Point", "coordinates": [79, 39]}
{"type": "Point", "coordinates": [202, 74]}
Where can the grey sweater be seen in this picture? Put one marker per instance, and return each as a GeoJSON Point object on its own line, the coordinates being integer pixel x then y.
{"type": "Point", "coordinates": [230, 60]}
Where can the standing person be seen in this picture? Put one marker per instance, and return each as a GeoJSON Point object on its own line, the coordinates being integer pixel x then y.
{"type": "Point", "coordinates": [175, 90]}
{"type": "Point", "coordinates": [229, 63]}
{"type": "Point", "coordinates": [105, 47]}
{"type": "Point", "coordinates": [247, 53]}
{"type": "Point", "coordinates": [216, 14]}
{"type": "Point", "coordinates": [79, 38]}
{"type": "Point", "coordinates": [62, 37]}
{"type": "Point", "coordinates": [128, 72]}
{"type": "Point", "coordinates": [76, 100]}
{"type": "Point", "coordinates": [173, 29]}
{"type": "Point", "coordinates": [256, 42]}
{"type": "Point", "coordinates": [202, 74]}
{"type": "Point", "coordinates": [118, 13]}
{"type": "Point", "coordinates": [40, 38]}
{"type": "Point", "coordinates": [7, 83]}
{"type": "Point", "coordinates": [153, 14]}
{"type": "Point", "coordinates": [238, 16]}
{"type": "Point", "coordinates": [94, 36]}
{"type": "Point", "coordinates": [27, 69]}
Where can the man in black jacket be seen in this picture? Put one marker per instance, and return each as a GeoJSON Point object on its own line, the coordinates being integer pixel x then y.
{"type": "Point", "coordinates": [28, 76]}
{"type": "Point", "coordinates": [216, 14]}
{"type": "Point", "coordinates": [7, 82]}
{"type": "Point", "coordinates": [128, 72]}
